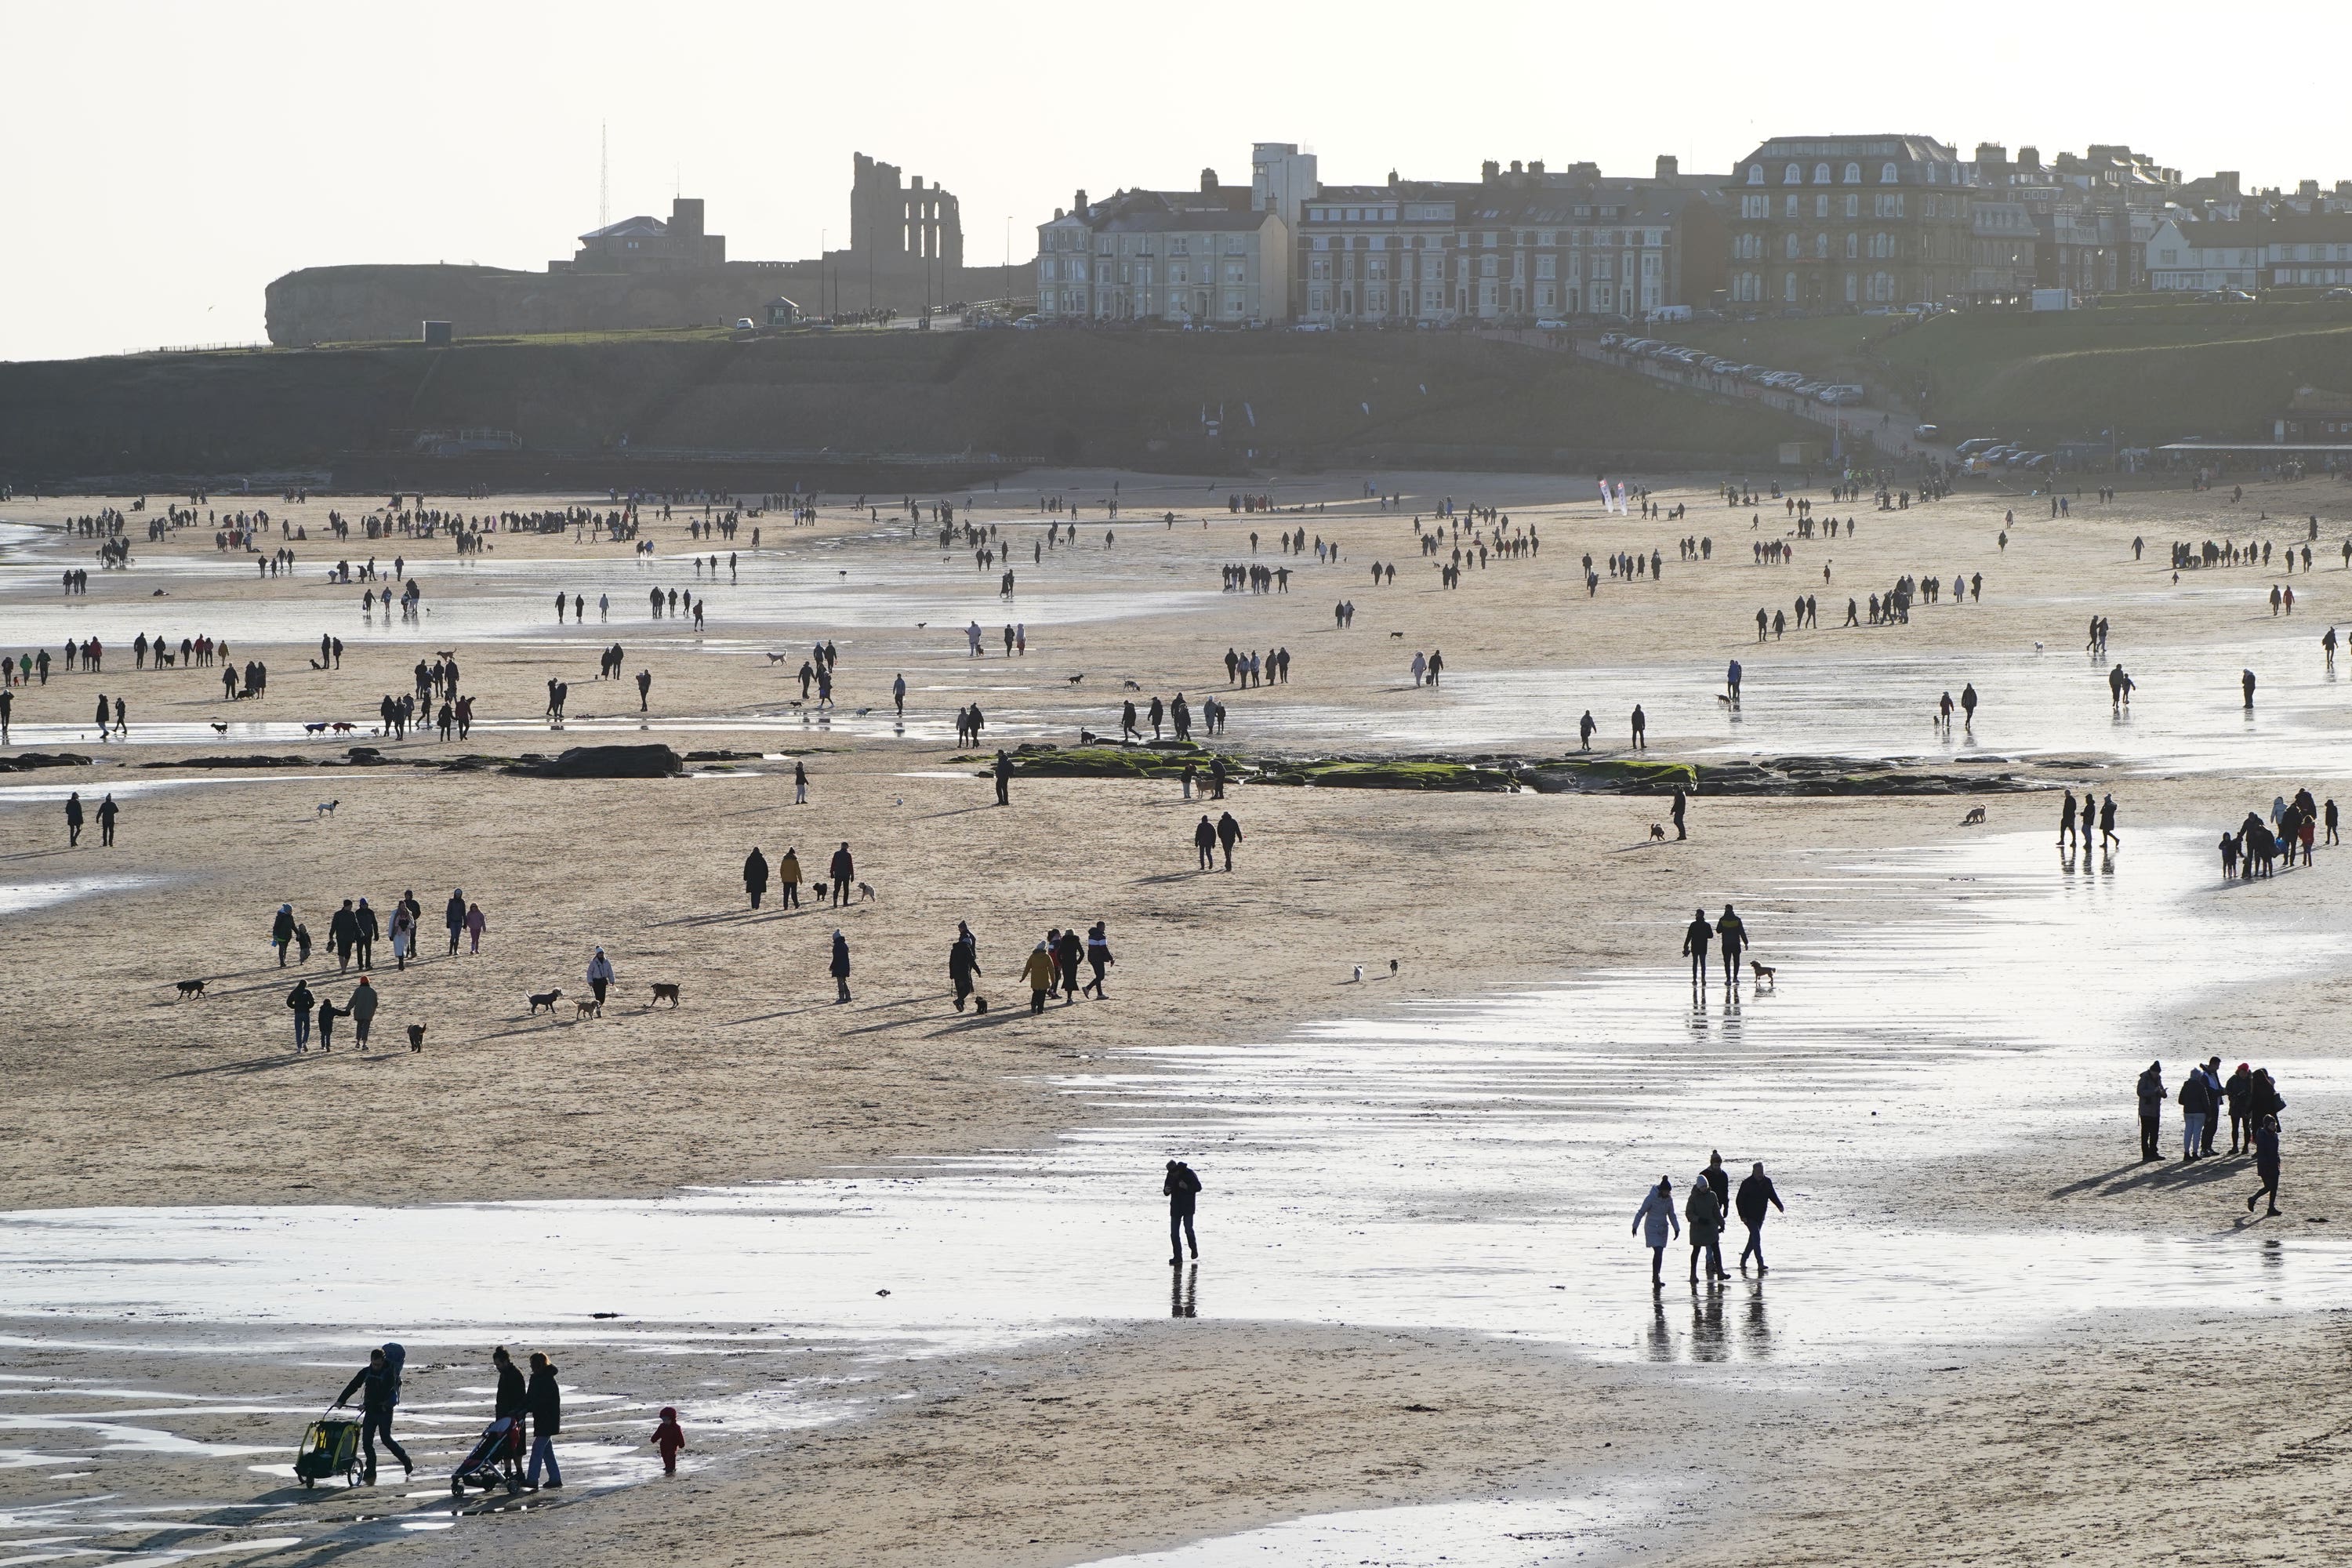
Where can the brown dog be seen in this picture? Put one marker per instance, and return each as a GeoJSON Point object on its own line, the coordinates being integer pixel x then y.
{"type": "Point", "coordinates": [663, 994]}
{"type": "Point", "coordinates": [585, 1007]}
{"type": "Point", "coordinates": [1765, 974]}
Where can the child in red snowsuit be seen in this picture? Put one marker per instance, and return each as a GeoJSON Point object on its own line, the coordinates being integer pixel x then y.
{"type": "Point", "coordinates": [669, 1437]}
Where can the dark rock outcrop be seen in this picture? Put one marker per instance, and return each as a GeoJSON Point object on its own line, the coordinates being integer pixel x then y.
{"type": "Point", "coordinates": [653, 761]}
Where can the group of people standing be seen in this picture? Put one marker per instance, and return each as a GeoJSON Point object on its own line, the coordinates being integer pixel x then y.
{"type": "Point", "coordinates": [2248, 1095]}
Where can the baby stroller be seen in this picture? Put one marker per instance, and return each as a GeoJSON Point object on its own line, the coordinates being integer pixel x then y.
{"type": "Point", "coordinates": [331, 1446]}
{"type": "Point", "coordinates": [490, 1461]}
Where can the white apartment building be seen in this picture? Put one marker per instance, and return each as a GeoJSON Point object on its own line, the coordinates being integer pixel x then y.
{"type": "Point", "coordinates": [2291, 251]}
{"type": "Point", "coordinates": [1185, 258]}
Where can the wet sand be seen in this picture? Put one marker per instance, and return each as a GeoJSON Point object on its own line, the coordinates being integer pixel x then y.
{"type": "Point", "coordinates": [1440, 1161]}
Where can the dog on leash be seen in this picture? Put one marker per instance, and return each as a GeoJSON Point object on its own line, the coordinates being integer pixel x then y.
{"type": "Point", "coordinates": [190, 988]}
{"type": "Point", "coordinates": [664, 993]}
{"type": "Point", "coordinates": [1765, 974]}
{"type": "Point", "coordinates": [546, 999]}
{"type": "Point", "coordinates": [416, 1037]}
{"type": "Point", "coordinates": [327, 808]}
{"type": "Point", "coordinates": [1975, 818]}
{"type": "Point", "coordinates": [1657, 833]}
{"type": "Point", "coordinates": [584, 1007]}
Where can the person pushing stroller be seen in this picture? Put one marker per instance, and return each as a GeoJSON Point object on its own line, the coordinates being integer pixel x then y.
{"type": "Point", "coordinates": [378, 1385]}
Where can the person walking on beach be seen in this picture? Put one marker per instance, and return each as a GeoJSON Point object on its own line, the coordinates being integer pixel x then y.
{"type": "Point", "coordinates": [73, 818]}
{"type": "Point", "coordinates": [2066, 821]}
{"type": "Point", "coordinates": [600, 974]}
{"type": "Point", "coordinates": [107, 812]}
{"type": "Point", "coordinates": [2246, 683]}
{"type": "Point", "coordinates": [543, 1397]}
{"type": "Point", "coordinates": [1098, 959]}
{"type": "Point", "coordinates": [380, 1379]}
{"type": "Point", "coordinates": [845, 870]}
{"type": "Point", "coordinates": [475, 925]}
{"type": "Point", "coordinates": [1003, 773]}
{"type": "Point", "coordinates": [2266, 1163]}
{"type": "Point", "coordinates": [839, 967]}
{"type": "Point", "coordinates": [1229, 833]}
{"type": "Point", "coordinates": [453, 916]}
{"type": "Point", "coordinates": [668, 1438]}
{"type": "Point", "coordinates": [800, 783]}
{"type": "Point", "coordinates": [899, 695]}
{"type": "Point", "coordinates": [1704, 1211]}
{"type": "Point", "coordinates": [300, 1002]}
{"type": "Point", "coordinates": [755, 875]}
{"type": "Point", "coordinates": [1757, 1196]}
{"type": "Point", "coordinates": [1968, 708]}
{"type": "Point", "coordinates": [1641, 725]}
{"type": "Point", "coordinates": [1651, 1222]}
{"type": "Point", "coordinates": [281, 932]}
{"type": "Point", "coordinates": [1584, 728]}
{"type": "Point", "coordinates": [2107, 822]}
{"type": "Point", "coordinates": [1039, 972]}
{"type": "Point", "coordinates": [788, 879]}
{"type": "Point", "coordinates": [1181, 1187]}
{"type": "Point", "coordinates": [1732, 932]}
{"type": "Point", "coordinates": [963, 964]}
{"type": "Point", "coordinates": [362, 1007]}
{"type": "Point", "coordinates": [1695, 938]}
{"type": "Point", "coordinates": [1205, 842]}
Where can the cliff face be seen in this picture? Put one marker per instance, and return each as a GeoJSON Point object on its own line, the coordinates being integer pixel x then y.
{"type": "Point", "coordinates": [1111, 397]}
{"type": "Point", "coordinates": [377, 304]}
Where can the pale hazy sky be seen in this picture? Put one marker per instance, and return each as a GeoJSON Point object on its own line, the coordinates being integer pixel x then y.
{"type": "Point", "coordinates": [165, 162]}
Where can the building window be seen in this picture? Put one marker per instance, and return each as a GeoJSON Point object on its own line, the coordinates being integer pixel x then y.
{"type": "Point", "coordinates": [1854, 175]}
{"type": "Point", "coordinates": [1887, 174]}
{"type": "Point", "coordinates": [1853, 206]}
{"type": "Point", "coordinates": [1789, 247]}
{"type": "Point", "coordinates": [1789, 287]}
{"type": "Point", "coordinates": [1821, 206]}
{"type": "Point", "coordinates": [1821, 174]}
{"type": "Point", "coordinates": [1789, 209]}
{"type": "Point", "coordinates": [1755, 174]}
{"type": "Point", "coordinates": [1853, 249]}
{"type": "Point", "coordinates": [1792, 176]}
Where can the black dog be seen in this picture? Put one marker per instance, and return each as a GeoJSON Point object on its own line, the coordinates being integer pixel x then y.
{"type": "Point", "coordinates": [546, 999]}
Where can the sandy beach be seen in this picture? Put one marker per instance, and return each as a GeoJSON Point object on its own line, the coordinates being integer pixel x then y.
{"type": "Point", "coordinates": [900, 1267]}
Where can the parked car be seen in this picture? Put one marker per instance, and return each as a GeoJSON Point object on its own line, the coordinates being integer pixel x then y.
{"type": "Point", "coordinates": [1611, 340]}
{"type": "Point", "coordinates": [2337, 294]}
{"type": "Point", "coordinates": [1928, 433]}
{"type": "Point", "coordinates": [1976, 444]}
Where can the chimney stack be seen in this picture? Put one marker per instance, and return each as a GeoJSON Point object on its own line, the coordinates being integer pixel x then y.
{"type": "Point", "coordinates": [1208, 181]}
{"type": "Point", "coordinates": [1078, 204]}
{"type": "Point", "coordinates": [1669, 166]}
{"type": "Point", "coordinates": [1490, 171]}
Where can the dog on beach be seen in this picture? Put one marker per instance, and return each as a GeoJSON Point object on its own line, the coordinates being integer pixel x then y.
{"type": "Point", "coordinates": [219, 727]}
{"type": "Point", "coordinates": [866, 891]}
{"type": "Point", "coordinates": [1723, 697]}
{"type": "Point", "coordinates": [1076, 679]}
{"type": "Point", "coordinates": [318, 728]}
{"type": "Point", "coordinates": [342, 726]}
{"type": "Point", "coordinates": [1975, 818]}
{"type": "Point", "coordinates": [980, 1003]}
{"type": "Point", "coordinates": [165, 659]}
{"type": "Point", "coordinates": [1657, 833]}
{"type": "Point", "coordinates": [327, 808]}
{"type": "Point", "coordinates": [416, 1037]}
{"type": "Point", "coordinates": [1359, 975]}
{"type": "Point", "coordinates": [1131, 686]}
{"type": "Point", "coordinates": [1392, 968]}
{"type": "Point", "coordinates": [1765, 973]}
{"type": "Point", "coordinates": [546, 999]}
{"type": "Point", "coordinates": [584, 1007]}
{"type": "Point", "coordinates": [190, 988]}
{"type": "Point", "coordinates": [778, 657]}
{"type": "Point", "coordinates": [663, 993]}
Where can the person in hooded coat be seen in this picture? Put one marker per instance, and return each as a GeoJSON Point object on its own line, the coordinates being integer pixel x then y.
{"type": "Point", "coordinates": [1651, 1222]}
{"type": "Point", "coordinates": [1703, 1210]}
{"type": "Point", "coordinates": [1757, 1198]}
{"type": "Point", "coordinates": [788, 877]}
{"type": "Point", "coordinates": [840, 967]}
{"type": "Point", "coordinates": [755, 875]}
{"type": "Point", "coordinates": [1039, 972]}
{"type": "Point", "coordinates": [281, 932]}
{"type": "Point", "coordinates": [1182, 1188]}
{"type": "Point", "coordinates": [453, 916]}
{"type": "Point", "coordinates": [544, 1399]}
{"type": "Point", "coordinates": [381, 1381]}
{"type": "Point", "coordinates": [963, 964]}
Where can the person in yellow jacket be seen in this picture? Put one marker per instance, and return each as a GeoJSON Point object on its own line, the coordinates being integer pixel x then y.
{"type": "Point", "coordinates": [1039, 970]}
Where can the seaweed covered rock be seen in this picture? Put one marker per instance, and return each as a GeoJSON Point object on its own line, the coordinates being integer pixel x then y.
{"type": "Point", "coordinates": [653, 761]}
